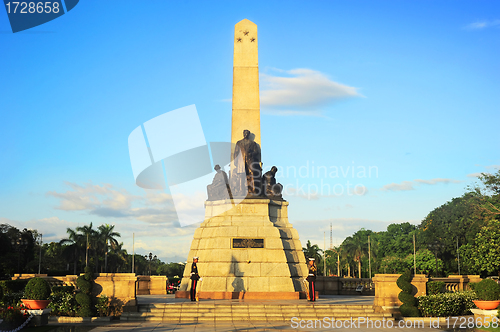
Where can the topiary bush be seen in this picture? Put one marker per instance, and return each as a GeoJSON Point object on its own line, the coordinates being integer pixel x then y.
{"type": "Point", "coordinates": [37, 289]}
{"type": "Point", "coordinates": [408, 308]}
{"type": "Point", "coordinates": [435, 287]}
{"type": "Point", "coordinates": [83, 298]}
{"type": "Point", "coordinates": [486, 290]}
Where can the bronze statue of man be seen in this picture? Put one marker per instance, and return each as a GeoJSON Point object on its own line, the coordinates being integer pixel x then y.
{"type": "Point", "coordinates": [247, 173]}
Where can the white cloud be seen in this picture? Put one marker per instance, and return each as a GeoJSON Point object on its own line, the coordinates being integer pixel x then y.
{"type": "Point", "coordinates": [106, 201]}
{"type": "Point", "coordinates": [473, 175]}
{"type": "Point", "coordinates": [436, 181]}
{"type": "Point", "coordinates": [305, 92]}
{"type": "Point", "coordinates": [479, 25]}
{"type": "Point", "coordinates": [403, 186]}
{"type": "Point", "coordinates": [410, 185]}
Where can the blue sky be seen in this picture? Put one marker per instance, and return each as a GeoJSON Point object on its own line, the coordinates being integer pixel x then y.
{"type": "Point", "coordinates": [409, 88]}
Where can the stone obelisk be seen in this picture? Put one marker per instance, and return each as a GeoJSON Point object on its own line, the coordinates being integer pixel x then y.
{"type": "Point", "coordinates": [246, 103]}
{"type": "Point", "coordinates": [246, 247]}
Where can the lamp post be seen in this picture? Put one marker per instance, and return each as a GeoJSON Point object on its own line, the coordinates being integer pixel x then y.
{"type": "Point", "coordinates": [435, 247]}
{"type": "Point", "coordinates": [338, 260]}
{"type": "Point", "coordinates": [150, 258]}
{"type": "Point", "coordinates": [40, 256]}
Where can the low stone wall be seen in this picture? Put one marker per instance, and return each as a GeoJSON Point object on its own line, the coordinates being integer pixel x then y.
{"type": "Point", "coordinates": [120, 288]}
{"type": "Point", "coordinates": [386, 289]}
{"type": "Point", "coordinates": [344, 286]}
{"type": "Point", "coordinates": [151, 285]}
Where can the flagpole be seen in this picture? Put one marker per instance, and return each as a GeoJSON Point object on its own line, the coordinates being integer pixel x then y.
{"type": "Point", "coordinates": [133, 252]}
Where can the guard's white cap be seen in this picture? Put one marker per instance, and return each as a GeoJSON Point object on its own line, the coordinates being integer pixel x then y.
{"type": "Point", "coordinates": [195, 258]}
{"type": "Point", "coordinates": [311, 259]}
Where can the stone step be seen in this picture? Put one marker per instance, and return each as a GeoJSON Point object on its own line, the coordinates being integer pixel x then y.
{"type": "Point", "coordinates": [199, 311]}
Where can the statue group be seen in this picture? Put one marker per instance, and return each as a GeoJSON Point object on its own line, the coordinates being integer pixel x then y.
{"type": "Point", "coordinates": [246, 177]}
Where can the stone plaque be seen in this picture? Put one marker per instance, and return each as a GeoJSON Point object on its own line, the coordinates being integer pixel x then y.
{"type": "Point", "coordinates": [248, 243]}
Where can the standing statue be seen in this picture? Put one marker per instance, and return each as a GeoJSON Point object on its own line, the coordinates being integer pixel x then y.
{"type": "Point", "coordinates": [247, 172]}
{"type": "Point", "coordinates": [219, 189]}
{"type": "Point", "coordinates": [272, 189]}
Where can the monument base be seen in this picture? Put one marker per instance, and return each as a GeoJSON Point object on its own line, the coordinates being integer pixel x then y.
{"type": "Point", "coordinates": [244, 295]}
{"type": "Point", "coordinates": [246, 249]}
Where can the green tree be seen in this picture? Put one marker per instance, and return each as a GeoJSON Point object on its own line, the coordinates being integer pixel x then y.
{"type": "Point", "coordinates": [107, 234]}
{"type": "Point", "coordinates": [393, 264]}
{"type": "Point", "coordinates": [356, 247]}
{"type": "Point", "coordinates": [73, 247]}
{"type": "Point", "coordinates": [484, 256]}
{"type": "Point", "coordinates": [313, 251]}
{"type": "Point", "coordinates": [88, 237]}
{"type": "Point", "coordinates": [425, 261]}
{"type": "Point", "coordinates": [397, 240]}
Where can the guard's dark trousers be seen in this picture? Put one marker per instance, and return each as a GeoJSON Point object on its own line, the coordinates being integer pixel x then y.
{"type": "Point", "coordinates": [194, 283]}
{"type": "Point", "coordinates": [312, 290]}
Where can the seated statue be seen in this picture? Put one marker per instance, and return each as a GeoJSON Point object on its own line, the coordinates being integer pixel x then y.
{"type": "Point", "coordinates": [272, 189]}
{"type": "Point", "coordinates": [219, 189]}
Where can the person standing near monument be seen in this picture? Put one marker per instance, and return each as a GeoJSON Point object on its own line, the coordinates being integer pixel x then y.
{"type": "Point", "coordinates": [194, 278]}
{"type": "Point", "coordinates": [311, 278]}
{"type": "Point", "coordinates": [247, 173]}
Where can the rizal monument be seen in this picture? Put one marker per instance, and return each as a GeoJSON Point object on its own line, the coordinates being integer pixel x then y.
{"type": "Point", "coordinates": [246, 246]}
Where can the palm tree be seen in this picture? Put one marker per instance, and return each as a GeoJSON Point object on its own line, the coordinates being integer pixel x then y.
{"type": "Point", "coordinates": [106, 234]}
{"type": "Point", "coordinates": [74, 242]}
{"type": "Point", "coordinates": [313, 251]}
{"type": "Point", "coordinates": [89, 235]}
{"type": "Point", "coordinates": [356, 248]}
{"type": "Point", "coordinates": [117, 257]}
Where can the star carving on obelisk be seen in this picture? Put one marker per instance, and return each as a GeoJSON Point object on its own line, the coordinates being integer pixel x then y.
{"type": "Point", "coordinates": [238, 40]}
{"type": "Point", "coordinates": [245, 33]}
{"type": "Point", "coordinates": [252, 40]}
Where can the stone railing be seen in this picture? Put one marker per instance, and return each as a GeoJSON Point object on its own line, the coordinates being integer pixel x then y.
{"type": "Point", "coordinates": [344, 286]}
{"type": "Point", "coordinates": [386, 290]}
{"type": "Point", "coordinates": [455, 283]}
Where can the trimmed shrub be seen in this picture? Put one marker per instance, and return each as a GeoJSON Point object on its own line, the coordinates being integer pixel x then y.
{"type": "Point", "coordinates": [83, 284]}
{"type": "Point", "coordinates": [102, 306]}
{"type": "Point", "coordinates": [37, 289]}
{"type": "Point", "coordinates": [446, 304]}
{"type": "Point", "coordinates": [63, 301]}
{"type": "Point", "coordinates": [435, 287]}
{"type": "Point", "coordinates": [84, 300]}
{"type": "Point", "coordinates": [13, 286]}
{"type": "Point", "coordinates": [408, 308]}
{"type": "Point", "coordinates": [486, 290]}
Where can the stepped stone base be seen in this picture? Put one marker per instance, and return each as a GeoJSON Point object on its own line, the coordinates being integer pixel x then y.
{"type": "Point", "coordinates": [245, 311]}
{"type": "Point", "coordinates": [245, 295]}
{"type": "Point", "coordinates": [277, 268]}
